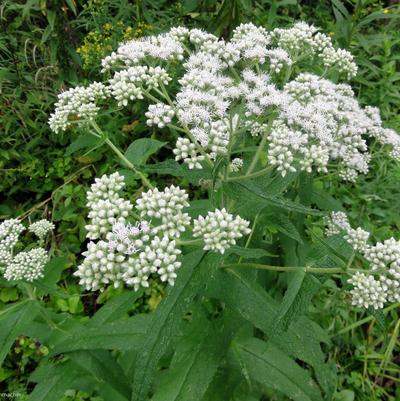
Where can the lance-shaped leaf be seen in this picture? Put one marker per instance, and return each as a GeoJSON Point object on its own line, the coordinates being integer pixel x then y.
{"type": "Point", "coordinates": [13, 321]}
{"type": "Point", "coordinates": [272, 368]}
{"type": "Point", "coordinates": [165, 324]}
{"type": "Point", "coordinates": [196, 360]}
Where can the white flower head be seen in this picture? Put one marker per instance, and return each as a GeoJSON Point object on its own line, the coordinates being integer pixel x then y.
{"type": "Point", "coordinates": [41, 228]}
{"type": "Point", "coordinates": [27, 265]}
{"type": "Point", "coordinates": [220, 230]}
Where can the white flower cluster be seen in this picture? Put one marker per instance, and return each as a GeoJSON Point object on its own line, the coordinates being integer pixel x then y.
{"type": "Point", "coordinates": [385, 255]}
{"type": "Point", "coordinates": [165, 47]}
{"type": "Point", "coordinates": [278, 59]}
{"type": "Point", "coordinates": [236, 164]}
{"type": "Point", "coordinates": [128, 239]}
{"type": "Point", "coordinates": [318, 123]}
{"type": "Point", "coordinates": [367, 291]}
{"type": "Point", "coordinates": [384, 260]}
{"type": "Point", "coordinates": [336, 222]}
{"type": "Point", "coordinates": [252, 42]}
{"type": "Point", "coordinates": [129, 84]}
{"type": "Point", "coordinates": [186, 150]}
{"type": "Point", "coordinates": [304, 41]}
{"type": "Point", "coordinates": [220, 230]}
{"type": "Point", "coordinates": [77, 105]}
{"type": "Point", "coordinates": [41, 228]}
{"type": "Point", "coordinates": [130, 253]}
{"type": "Point", "coordinates": [106, 206]}
{"type": "Point", "coordinates": [25, 265]}
{"type": "Point", "coordinates": [159, 114]}
{"type": "Point", "coordinates": [165, 207]}
{"type": "Point", "coordinates": [9, 233]}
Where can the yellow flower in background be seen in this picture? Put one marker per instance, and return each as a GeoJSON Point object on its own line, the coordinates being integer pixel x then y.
{"type": "Point", "coordinates": [99, 43]}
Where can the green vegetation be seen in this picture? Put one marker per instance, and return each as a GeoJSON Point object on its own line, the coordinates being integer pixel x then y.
{"type": "Point", "coordinates": [354, 355]}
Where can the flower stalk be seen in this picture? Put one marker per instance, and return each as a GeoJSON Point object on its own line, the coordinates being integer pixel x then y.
{"type": "Point", "coordinates": [121, 156]}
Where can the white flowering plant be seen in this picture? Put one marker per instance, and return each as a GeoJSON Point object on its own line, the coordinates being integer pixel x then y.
{"type": "Point", "coordinates": [247, 125]}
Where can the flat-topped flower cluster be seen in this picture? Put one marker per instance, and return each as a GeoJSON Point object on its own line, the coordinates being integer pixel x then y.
{"type": "Point", "coordinates": [26, 265]}
{"type": "Point", "coordinates": [381, 284]}
{"type": "Point", "coordinates": [135, 242]}
{"type": "Point", "coordinates": [273, 84]}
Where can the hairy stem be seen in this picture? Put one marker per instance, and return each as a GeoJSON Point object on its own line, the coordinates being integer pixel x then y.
{"type": "Point", "coordinates": [260, 146]}
{"type": "Point", "coordinates": [121, 156]}
{"type": "Point", "coordinates": [185, 128]}
{"type": "Point", "coordinates": [306, 269]}
{"type": "Point", "coordinates": [252, 175]}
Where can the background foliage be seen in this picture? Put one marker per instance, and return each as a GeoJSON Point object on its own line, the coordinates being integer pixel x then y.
{"type": "Point", "coordinates": [46, 46]}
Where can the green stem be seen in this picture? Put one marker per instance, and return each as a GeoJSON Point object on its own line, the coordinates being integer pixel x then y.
{"type": "Point", "coordinates": [253, 175]}
{"type": "Point", "coordinates": [189, 242]}
{"type": "Point", "coordinates": [260, 146]}
{"type": "Point", "coordinates": [365, 320]}
{"type": "Point", "coordinates": [246, 245]}
{"type": "Point", "coordinates": [30, 291]}
{"type": "Point", "coordinates": [306, 269]}
{"type": "Point", "coordinates": [121, 156]}
{"type": "Point", "coordinates": [185, 128]}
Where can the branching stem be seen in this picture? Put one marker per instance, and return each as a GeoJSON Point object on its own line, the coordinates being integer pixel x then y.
{"type": "Point", "coordinates": [121, 156]}
{"type": "Point", "coordinates": [261, 146]}
{"type": "Point", "coordinates": [306, 269]}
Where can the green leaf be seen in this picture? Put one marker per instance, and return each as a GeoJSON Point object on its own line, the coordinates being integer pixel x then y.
{"type": "Point", "coordinates": [285, 226]}
{"type": "Point", "coordinates": [141, 149]}
{"type": "Point", "coordinates": [85, 141]}
{"type": "Point", "coordinates": [54, 381]}
{"type": "Point", "coordinates": [51, 276]}
{"type": "Point", "coordinates": [122, 335]}
{"type": "Point", "coordinates": [165, 324]}
{"type": "Point", "coordinates": [302, 339]}
{"type": "Point", "coordinates": [106, 371]}
{"type": "Point", "coordinates": [196, 360]}
{"type": "Point", "coordinates": [115, 309]}
{"type": "Point", "coordinates": [249, 253]}
{"type": "Point", "coordinates": [325, 201]}
{"type": "Point", "coordinates": [376, 16]}
{"type": "Point", "coordinates": [274, 369]}
{"type": "Point", "coordinates": [251, 188]}
{"type": "Point", "coordinates": [13, 320]}
{"type": "Point", "coordinates": [172, 167]}
{"type": "Point", "coordinates": [302, 287]}
{"type": "Point", "coordinates": [71, 5]}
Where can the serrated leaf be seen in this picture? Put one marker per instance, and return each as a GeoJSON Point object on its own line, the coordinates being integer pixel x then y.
{"type": "Point", "coordinates": [302, 287]}
{"type": "Point", "coordinates": [276, 200]}
{"type": "Point", "coordinates": [85, 141]}
{"type": "Point", "coordinates": [172, 167]}
{"type": "Point", "coordinates": [249, 253]}
{"type": "Point", "coordinates": [52, 274]}
{"type": "Point", "coordinates": [302, 339]}
{"type": "Point", "coordinates": [196, 360]}
{"type": "Point", "coordinates": [274, 369]}
{"type": "Point", "coordinates": [106, 371]}
{"type": "Point", "coordinates": [52, 386]}
{"type": "Point", "coordinates": [141, 149]}
{"type": "Point", "coordinates": [122, 335]}
{"type": "Point", "coordinates": [165, 324]}
{"type": "Point", "coordinates": [325, 201]}
{"type": "Point", "coordinates": [115, 309]}
{"type": "Point", "coordinates": [285, 226]}
{"type": "Point", "coordinates": [13, 320]}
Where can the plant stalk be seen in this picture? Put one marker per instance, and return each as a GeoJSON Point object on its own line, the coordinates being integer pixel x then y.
{"type": "Point", "coordinates": [260, 146]}
{"type": "Point", "coordinates": [121, 156]}
{"type": "Point", "coordinates": [306, 269]}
